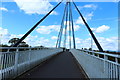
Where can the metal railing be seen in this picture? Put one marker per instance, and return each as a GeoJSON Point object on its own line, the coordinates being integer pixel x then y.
{"type": "Point", "coordinates": [98, 64]}
{"type": "Point", "coordinates": [17, 60]}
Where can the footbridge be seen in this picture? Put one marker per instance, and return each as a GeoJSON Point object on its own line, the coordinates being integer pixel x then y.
{"type": "Point", "coordinates": [56, 63]}
{"type": "Point", "coordinates": [59, 62]}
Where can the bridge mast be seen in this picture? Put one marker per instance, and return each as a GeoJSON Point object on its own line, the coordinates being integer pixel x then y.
{"type": "Point", "coordinates": [71, 20]}
{"type": "Point", "coordinates": [68, 19]}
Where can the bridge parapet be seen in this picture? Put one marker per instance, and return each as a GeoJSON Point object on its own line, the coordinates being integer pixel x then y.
{"type": "Point", "coordinates": [17, 60]}
{"type": "Point", "coordinates": [98, 64]}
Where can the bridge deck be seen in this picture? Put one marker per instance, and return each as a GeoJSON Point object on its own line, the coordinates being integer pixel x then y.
{"type": "Point", "coordinates": [60, 66]}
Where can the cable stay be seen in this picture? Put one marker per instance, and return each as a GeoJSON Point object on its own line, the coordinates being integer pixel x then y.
{"type": "Point", "coordinates": [71, 20]}
{"type": "Point", "coordinates": [61, 29]}
{"type": "Point", "coordinates": [90, 31]}
{"type": "Point", "coordinates": [69, 27]}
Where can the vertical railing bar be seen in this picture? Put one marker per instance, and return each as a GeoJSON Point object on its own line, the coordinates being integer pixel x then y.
{"type": "Point", "coordinates": [16, 62]}
{"type": "Point", "coordinates": [5, 66]}
{"type": "Point", "coordinates": [29, 57]}
{"type": "Point", "coordinates": [2, 61]}
{"type": "Point", "coordinates": [116, 60]}
{"type": "Point", "coordinates": [11, 62]}
{"type": "Point", "coordinates": [105, 57]}
{"type": "Point", "coordinates": [109, 69]}
{"type": "Point", "coordinates": [22, 56]}
{"type": "Point", "coordinates": [118, 72]}
{"type": "Point", "coordinates": [8, 65]}
{"type": "Point", "coordinates": [113, 71]}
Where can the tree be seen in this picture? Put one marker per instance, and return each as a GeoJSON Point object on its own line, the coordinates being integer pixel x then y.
{"type": "Point", "coordinates": [4, 45]}
{"type": "Point", "coordinates": [23, 44]}
{"type": "Point", "coordinates": [15, 40]}
{"type": "Point", "coordinates": [90, 49]}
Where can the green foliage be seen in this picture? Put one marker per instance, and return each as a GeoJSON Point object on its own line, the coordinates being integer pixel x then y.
{"type": "Point", "coordinates": [15, 40]}
{"type": "Point", "coordinates": [4, 45]}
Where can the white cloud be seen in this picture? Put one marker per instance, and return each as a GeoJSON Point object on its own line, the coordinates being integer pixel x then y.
{"type": "Point", "coordinates": [102, 28]}
{"type": "Point", "coordinates": [80, 21]}
{"type": "Point", "coordinates": [109, 43]}
{"type": "Point", "coordinates": [47, 29]}
{"type": "Point", "coordinates": [40, 41]}
{"type": "Point", "coordinates": [3, 9]}
{"type": "Point", "coordinates": [4, 35]}
{"type": "Point", "coordinates": [90, 6]}
{"type": "Point", "coordinates": [35, 7]}
{"type": "Point", "coordinates": [106, 43]}
{"type": "Point", "coordinates": [54, 37]}
{"type": "Point", "coordinates": [52, 28]}
{"type": "Point", "coordinates": [42, 30]}
{"type": "Point", "coordinates": [76, 27]}
{"type": "Point", "coordinates": [71, 0]}
{"type": "Point", "coordinates": [87, 17]}
{"type": "Point", "coordinates": [31, 40]}
{"type": "Point", "coordinates": [78, 40]}
{"type": "Point", "coordinates": [3, 31]}
{"type": "Point", "coordinates": [93, 29]}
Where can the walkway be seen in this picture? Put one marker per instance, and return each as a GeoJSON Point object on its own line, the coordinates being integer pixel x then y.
{"type": "Point", "coordinates": [60, 66]}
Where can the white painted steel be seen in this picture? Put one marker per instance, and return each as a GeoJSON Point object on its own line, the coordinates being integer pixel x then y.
{"type": "Point", "coordinates": [96, 67]}
{"type": "Point", "coordinates": [14, 63]}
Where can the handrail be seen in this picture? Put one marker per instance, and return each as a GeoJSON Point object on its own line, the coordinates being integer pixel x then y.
{"type": "Point", "coordinates": [17, 61]}
{"type": "Point", "coordinates": [112, 55]}
{"type": "Point", "coordinates": [19, 47]}
{"type": "Point", "coordinates": [98, 64]}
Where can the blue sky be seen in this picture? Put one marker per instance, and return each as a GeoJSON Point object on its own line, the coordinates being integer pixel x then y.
{"type": "Point", "coordinates": [18, 17]}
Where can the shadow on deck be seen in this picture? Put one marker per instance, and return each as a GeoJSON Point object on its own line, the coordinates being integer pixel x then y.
{"type": "Point", "coordinates": [62, 65]}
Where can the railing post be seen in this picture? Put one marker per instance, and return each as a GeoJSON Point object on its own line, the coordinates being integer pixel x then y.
{"type": "Point", "coordinates": [8, 50]}
{"type": "Point", "coordinates": [116, 68]}
{"type": "Point", "coordinates": [16, 61]}
{"type": "Point", "coordinates": [116, 60]}
{"type": "Point", "coordinates": [2, 66]}
{"type": "Point", "coordinates": [29, 57]}
{"type": "Point", "coordinates": [38, 48]}
{"type": "Point", "coordinates": [105, 58]}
